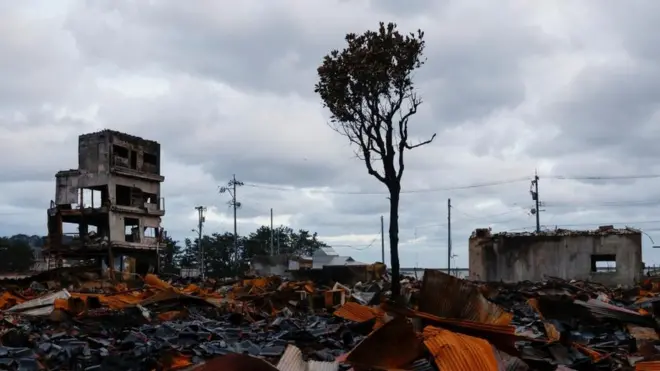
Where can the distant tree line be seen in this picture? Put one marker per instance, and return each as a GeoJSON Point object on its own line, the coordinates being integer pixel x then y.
{"type": "Point", "coordinates": [220, 253]}
{"type": "Point", "coordinates": [18, 252]}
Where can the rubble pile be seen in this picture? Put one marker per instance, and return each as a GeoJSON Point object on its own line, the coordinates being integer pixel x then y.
{"type": "Point", "coordinates": [74, 320]}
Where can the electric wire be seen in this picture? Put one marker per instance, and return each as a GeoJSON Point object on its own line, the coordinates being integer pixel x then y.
{"type": "Point", "coordinates": [601, 177]}
{"type": "Point", "coordinates": [602, 203]}
{"type": "Point", "coordinates": [438, 189]}
{"type": "Point", "coordinates": [454, 188]}
{"type": "Point", "coordinates": [629, 223]}
{"type": "Point", "coordinates": [358, 248]}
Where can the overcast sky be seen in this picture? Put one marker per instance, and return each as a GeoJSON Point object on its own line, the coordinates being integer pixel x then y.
{"type": "Point", "coordinates": [570, 88]}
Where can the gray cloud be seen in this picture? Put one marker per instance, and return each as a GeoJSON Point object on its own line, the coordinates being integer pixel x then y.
{"type": "Point", "coordinates": [508, 87]}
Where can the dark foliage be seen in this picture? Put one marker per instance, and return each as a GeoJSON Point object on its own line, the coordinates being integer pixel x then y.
{"type": "Point", "coordinates": [16, 254]}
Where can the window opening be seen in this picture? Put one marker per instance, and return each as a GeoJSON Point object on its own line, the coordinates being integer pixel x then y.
{"type": "Point", "coordinates": [603, 263]}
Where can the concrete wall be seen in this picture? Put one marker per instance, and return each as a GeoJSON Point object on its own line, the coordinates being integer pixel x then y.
{"type": "Point", "coordinates": [99, 168]}
{"type": "Point", "coordinates": [117, 231]}
{"type": "Point", "coordinates": [93, 154]}
{"type": "Point", "coordinates": [68, 184]}
{"type": "Point", "coordinates": [96, 154]}
{"type": "Point", "coordinates": [514, 258]}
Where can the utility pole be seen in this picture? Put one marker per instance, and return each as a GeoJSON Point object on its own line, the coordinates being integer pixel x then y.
{"type": "Point", "coordinates": [231, 189]}
{"type": "Point", "coordinates": [449, 236]}
{"type": "Point", "coordinates": [278, 240]}
{"type": "Point", "coordinates": [200, 225]}
{"type": "Point", "coordinates": [534, 190]}
{"type": "Point", "coordinates": [272, 235]}
{"type": "Point", "coordinates": [382, 239]}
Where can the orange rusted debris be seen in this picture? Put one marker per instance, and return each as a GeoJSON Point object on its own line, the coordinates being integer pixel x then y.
{"type": "Point", "coordinates": [460, 299]}
{"type": "Point", "coordinates": [393, 346]}
{"type": "Point", "coordinates": [153, 280]}
{"type": "Point", "coordinates": [62, 304]}
{"type": "Point", "coordinates": [502, 336]}
{"type": "Point", "coordinates": [118, 301]}
{"type": "Point", "coordinates": [8, 300]}
{"type": "Point", "coordinates": [550, 329]}
{"type": "Point", "coordinates": [175, 361]}
{"type": "Point", "coordinates": [355, 312]}
{"type": "Point", "coordinates": [334, 297]}
{"type": "Point", "coordinates": [457, 352]}
{"type": "Point", "coordinates": [647, 366]}
{"type": "Point", "coordinates": [169, 316]}
{"type": "Point", "coordinates": [192, 288]}
{"type": "Point", "coordinates": [594, 355]}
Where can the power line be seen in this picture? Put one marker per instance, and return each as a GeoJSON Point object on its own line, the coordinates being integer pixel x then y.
{"type": "Point", "coordinates": [603, 203]}
{"type": "Point", "coordinates": [601, 177]}
{"type": "Point", "coordinates": [470, 218]}
{"type": "Point", "coordinates": [628, 223]}
{"type": "Point", "coordinates": [439, 189]}
{"type": "Point", "coordinates": [454, 188]}
{"type": "Point", "coordinates": [359, 248]}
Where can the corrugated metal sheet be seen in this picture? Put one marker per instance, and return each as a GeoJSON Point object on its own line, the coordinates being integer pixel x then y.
{"type": "Point", "coordinates": [392, 346]}
{"type": "Point", "coordinates": [447, 296]}
{"type": "Point", "coordinates": [42, 306]}
{"type": "Point", "coordinates": [648, 366]}
{"type": "Point", "coordinates": [355, 312]}
{"type": "Point", "coordinates": [292, 360]}
{"type": "Point", "coordinates": [458, 352]}
{"type": "Point", "coordinates": [504, 337]}
{"type": "Point", "coordinates": [604, 310]}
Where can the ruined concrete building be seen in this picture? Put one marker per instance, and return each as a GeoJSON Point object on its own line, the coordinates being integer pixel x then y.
{"type": "Point", "coordinates": [110, 207]}
{"type": "Point", "coordinates": [606, 255]}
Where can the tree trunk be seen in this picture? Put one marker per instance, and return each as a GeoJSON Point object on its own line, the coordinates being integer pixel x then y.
{"type": "Point", "coordinates": [394, 241]}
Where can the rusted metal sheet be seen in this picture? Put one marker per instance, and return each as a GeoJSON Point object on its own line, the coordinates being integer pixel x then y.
{"type": "Point", "coordinates": [648, 366]}
{"type": "Point", "coordinates": [292, 360]}
{"type": "Point", "coordinates": [450, 297]}
{"type": "Point", "coordinates": [457, 352]}
{"type": "Point", "coordinates": [392, 346]}
{"type": "Point", "coordinates": [503, 337]}
{"type": "Point", "coordinates": [355, 312]}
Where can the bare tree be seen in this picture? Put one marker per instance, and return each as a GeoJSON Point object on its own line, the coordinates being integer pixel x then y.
{"type": "Point", "coordinates": [369, 91]}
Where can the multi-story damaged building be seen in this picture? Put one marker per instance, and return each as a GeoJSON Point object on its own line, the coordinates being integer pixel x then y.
{"type": "Point", "coordinates": [607, 255]}
{"type": "Point", "coordinates": [110, 207]}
